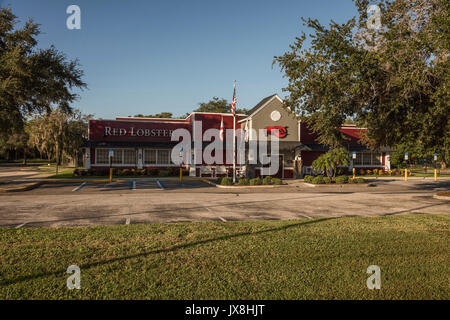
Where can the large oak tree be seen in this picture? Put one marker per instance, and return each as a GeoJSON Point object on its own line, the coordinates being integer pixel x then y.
{"type": "Point", "coordinates": [393, 80]}
{"type": "Point", "coordinates": [32, 79]}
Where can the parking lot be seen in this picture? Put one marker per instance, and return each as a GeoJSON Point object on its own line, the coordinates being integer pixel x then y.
{"type": "Point", "coordinates": [167, 200]}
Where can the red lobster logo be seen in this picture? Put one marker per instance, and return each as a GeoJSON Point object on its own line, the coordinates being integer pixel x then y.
{"type": "Point", "coordinates": [282, 131]}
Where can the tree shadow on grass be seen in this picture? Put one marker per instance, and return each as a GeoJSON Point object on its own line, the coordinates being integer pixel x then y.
{"type": "Point", "coordinates": [158, 251]}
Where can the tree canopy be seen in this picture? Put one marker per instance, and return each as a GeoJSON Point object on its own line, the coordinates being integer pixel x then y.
{"type": "Point", "coordinates": [32, 80]}
{"type": "Point", "coordinates": [217, 105]}
{"type": "Point", "coordinates": [394, 80]}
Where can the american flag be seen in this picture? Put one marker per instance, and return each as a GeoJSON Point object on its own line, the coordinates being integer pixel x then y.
{"type": "Point", "coordinates": [233, 103]}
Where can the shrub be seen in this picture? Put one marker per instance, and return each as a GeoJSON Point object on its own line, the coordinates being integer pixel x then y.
{"type": "Point", "coordinates": [351, 180]}
{"type": "Point", "coordinates": [76, 172]}
{"type": "Point", "coordinates": [362, 172]}
{"type": "Point", "coordinates": [267, 180]}
{"type": "Point", "coordinates": [142, 172]}
{"type": "Point", "coordinates": [308, 179]}
{"type": "Point", "coordinates": [277, 181]}
{"type": "Point", "coordinates": [163, 173]}
{"type": "Point", "coordinates": [341, 179]}
{"type": "Point", "coordinates": [318, 180]}
{"type": "Point", "coordinates": [126, 172]}
{"type": "Point", "coordinates": [152, 172]}
{"type": "Point", "coordinates": [255, 182]}
{"type": "Point", "coordinates": [360, 180]}
{"type": "Point", "coordinates": [243, 182]}
{"type": "Point", "coordinates": [327, 180]}
{"type": "Point", "coordinates": [226, 181]}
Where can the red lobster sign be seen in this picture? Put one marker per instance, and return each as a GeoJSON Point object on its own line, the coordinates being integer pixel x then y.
{"type": "Point", "coordinates": [282, 131]}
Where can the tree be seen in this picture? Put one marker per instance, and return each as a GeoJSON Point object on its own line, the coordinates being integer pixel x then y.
{"type": "Point", "coordinates": [31, 80]}
{"type": "Point", "coordinates": [394, 81]}
{"type": "Point", "coordinates": [218, 105]}
{"type": "Point", "coordinates": [59, 134]}
{"type": "Point", "coordinates": [157, 115]}
{"type": "Point", "coordinates": [329, 161]}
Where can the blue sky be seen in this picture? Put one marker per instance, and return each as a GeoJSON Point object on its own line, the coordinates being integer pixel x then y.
{"type": "Point", "coordinates": [153, 56]}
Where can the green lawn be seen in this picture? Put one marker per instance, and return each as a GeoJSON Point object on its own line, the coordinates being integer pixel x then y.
{"type": "Point", "coordinates": [296, 259]}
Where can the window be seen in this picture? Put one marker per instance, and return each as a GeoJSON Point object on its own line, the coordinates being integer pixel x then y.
{"type": "Point", "coordinates": [129, 156]}
{"type": "Point", "coordinates": [163, 157]}
{"type": "Point", "coordinates": [149, 156]}
{"type": "Point", "coordinates": [367, 159]}
{"type": "Point", "coordinates": [102, 156]}
{"type": "Point", "coordinates": [118, 156]}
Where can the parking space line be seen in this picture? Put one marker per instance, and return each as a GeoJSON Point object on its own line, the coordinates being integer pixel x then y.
{"type": "Point", "coordinates": [80, 186]}
{"type": "Point", "coordinates": [127, 221]}
{"type": "Point", "coordinates": [161, 185]}
{"type": "Point", "coordinates": [133, 185]}
{"type": "Point", "coordinates": [222, 219]}
{"type": "Point", "coordinates": [21, 225]}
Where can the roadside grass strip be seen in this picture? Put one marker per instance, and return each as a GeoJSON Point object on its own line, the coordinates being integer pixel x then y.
{"type": "Point", "coordinates": [320, 258]}
{"type": "Point", "coordinates": [80, 186]}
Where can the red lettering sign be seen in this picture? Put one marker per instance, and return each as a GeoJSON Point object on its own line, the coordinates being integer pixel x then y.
{"type": "Point", "coordinates": [281, 133]}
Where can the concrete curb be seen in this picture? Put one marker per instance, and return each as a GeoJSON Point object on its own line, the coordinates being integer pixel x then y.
{"type": "Point", "coordinates": [242, 187]}
{"type": "Point", "coordinates": [365, 184]}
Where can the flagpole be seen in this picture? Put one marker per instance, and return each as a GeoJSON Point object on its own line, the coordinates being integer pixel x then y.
{"type": "Point", "coordinates": [234, 139]}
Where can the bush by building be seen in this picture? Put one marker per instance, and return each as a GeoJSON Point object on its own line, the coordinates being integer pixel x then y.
{"type": "Point", "coordinates": [267, 180]}
{"type": "Point", "coordinates": [277, 181]}
{"type": "Point", "coordinates": [341, 179]}
{"type": "Point", "coordinates": [243, 182]}
{"type": "Point", "coordinates": [226, 181]}
{"type": "Point", "coordinates": [255, 182]}
{"type": "Point", "coordinates": [318, 180]}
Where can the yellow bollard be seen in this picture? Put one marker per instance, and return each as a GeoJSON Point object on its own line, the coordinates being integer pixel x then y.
{"type": "Point", "coordinates": [353, 173]}
{"type": "Point", "coordinates": [181, 174]}
{"type": "Point", "coordinates": [406, 174]}
{"type": "Point", "coordinates": [435, 174]}
{"type": "Point", "coordinates": [110, 174]}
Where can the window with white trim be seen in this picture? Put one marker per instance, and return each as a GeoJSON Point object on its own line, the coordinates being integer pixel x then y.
{"type": "Point", "coordinates": [368, 159]}
{"type": "Point", "coordinates": [129, 156]}
{"type": "Point", "coordinates": [163, 157]}
{"type": "Point", "coordinates": [101, 156]}
{"type": "Point", "coordinates": [117, 156]}
{"type": "Point", "coordinates": [149, 156]}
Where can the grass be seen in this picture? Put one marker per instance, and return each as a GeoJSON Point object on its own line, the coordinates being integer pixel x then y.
{"type": "Point", "coordinates": [296, 259]}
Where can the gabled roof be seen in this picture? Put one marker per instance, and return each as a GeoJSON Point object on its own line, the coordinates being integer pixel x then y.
{"type": "Point", "coordinates": [260, 104]}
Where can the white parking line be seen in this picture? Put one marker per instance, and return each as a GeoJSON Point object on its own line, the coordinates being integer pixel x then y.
{"type": "Point", "coordinates": [21, 225]}
{"type": "Point", "coordinates": [213, 212]}
{"type": "Point", "coordinates": [127, 221]}
{"type": "Point", "coordinates": [80, 186]}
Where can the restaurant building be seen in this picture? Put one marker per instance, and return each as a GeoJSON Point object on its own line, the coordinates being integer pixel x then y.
{"type": "Point", "coordinates": [145, 143]}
